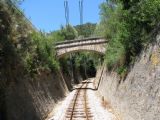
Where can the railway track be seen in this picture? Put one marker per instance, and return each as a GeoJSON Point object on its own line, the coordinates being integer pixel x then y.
{"type": "Point", "coordinates": [78, 108]}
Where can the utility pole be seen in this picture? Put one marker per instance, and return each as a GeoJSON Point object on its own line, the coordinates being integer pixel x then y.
{"type": "Point", "coordinates": [81, 15]}
{"type": "Point", "coordinates": [66, 8]}
{"type": "Point", "coordinates": [81, 11]}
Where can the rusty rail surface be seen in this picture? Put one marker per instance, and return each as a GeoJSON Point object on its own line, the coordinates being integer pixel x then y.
{"type": "Point", "coordinates": [78, 113]}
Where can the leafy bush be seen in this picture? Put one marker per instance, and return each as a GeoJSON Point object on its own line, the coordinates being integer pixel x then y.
{"type": "Point", "coordinates": [42, 54]}
{"type": "Point", "coordinates": [87, 61]}
{"type": "Point", "coordinates": [56, 36]}
{"type": "Point", "coordinates": [127, 24]}
{"type": "Point", "coordinates": [65, 33]}
{"type": "Point", "coordinates": [68, 32]}
{"type": "Point", "coordinates": [85, 30]}
{"type": "Point", "coordinates": [121, 70]}
{"type": "Point", "coordinates": [23, 48]}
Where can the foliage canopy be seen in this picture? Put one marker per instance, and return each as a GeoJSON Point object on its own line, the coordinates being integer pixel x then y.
{"type": "Point", "coordinates": [127, 25]}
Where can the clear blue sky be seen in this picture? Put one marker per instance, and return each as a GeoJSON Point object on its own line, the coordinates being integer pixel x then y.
{"type": "Point", "coordinates": [48, 15]}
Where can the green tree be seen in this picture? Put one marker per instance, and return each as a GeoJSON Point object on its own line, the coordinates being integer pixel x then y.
{"type": "Point", "coordinates": [56, 36]}
{"type": "Point", "coordinates": [86, 30]}
{"type": "Point", "coordinates": [127, 25]}
{"type": "Point", "coordinates": [42, 53]}
{"type": "Point", "coordinates": [68, 32]}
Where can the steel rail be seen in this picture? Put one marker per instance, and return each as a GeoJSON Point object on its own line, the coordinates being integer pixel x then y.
{"type": "Point", "coordinates": [75, 101]}
{"type": "Point", "coordinates": [85, 100]}
{"type": "Point", "coordinates": [74, 104]}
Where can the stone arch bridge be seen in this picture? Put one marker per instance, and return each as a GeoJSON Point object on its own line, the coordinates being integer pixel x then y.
{"type": "Point", "coordinates": [88, 44]}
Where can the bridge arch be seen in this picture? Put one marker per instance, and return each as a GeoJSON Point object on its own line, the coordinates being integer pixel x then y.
{"type": "Point", "coordinates": [97, 45]}
{"type": "Point", "coordinates": [79, 50]}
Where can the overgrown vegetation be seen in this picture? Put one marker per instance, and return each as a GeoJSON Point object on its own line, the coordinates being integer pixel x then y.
{"type": "Point", "coordinates": [41, 54]}
{"type": "Point", "coordinates": [34, 50]}
{"type": "Point", "coordinates": [87, 63]}
{"type": "Point", "coordinates": [79, 62]}
{"type": "Point", "coordinates": [21, 44]}
{"type": "Point", "coordinates": [86, 30]}
{"type": "Point", "coordinates": [127, 25]}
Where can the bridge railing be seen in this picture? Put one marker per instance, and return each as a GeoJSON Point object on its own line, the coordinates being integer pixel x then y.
{"type": "Point", "coordinates": [80, 44]}
{"type": "Point", "coordinates": [78, 40]}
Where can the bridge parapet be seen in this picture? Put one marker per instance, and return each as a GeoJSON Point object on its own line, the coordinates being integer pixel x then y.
{"type": "Point", "coordinates": [88, 44]}
{"type": "Point", "coordinates": [78, 40]}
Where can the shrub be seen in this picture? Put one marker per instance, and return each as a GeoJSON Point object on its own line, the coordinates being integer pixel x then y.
{"type": "Point", "coordinates": [127, 25]}
{"type": "Point", "coordinates": [42, 54]}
